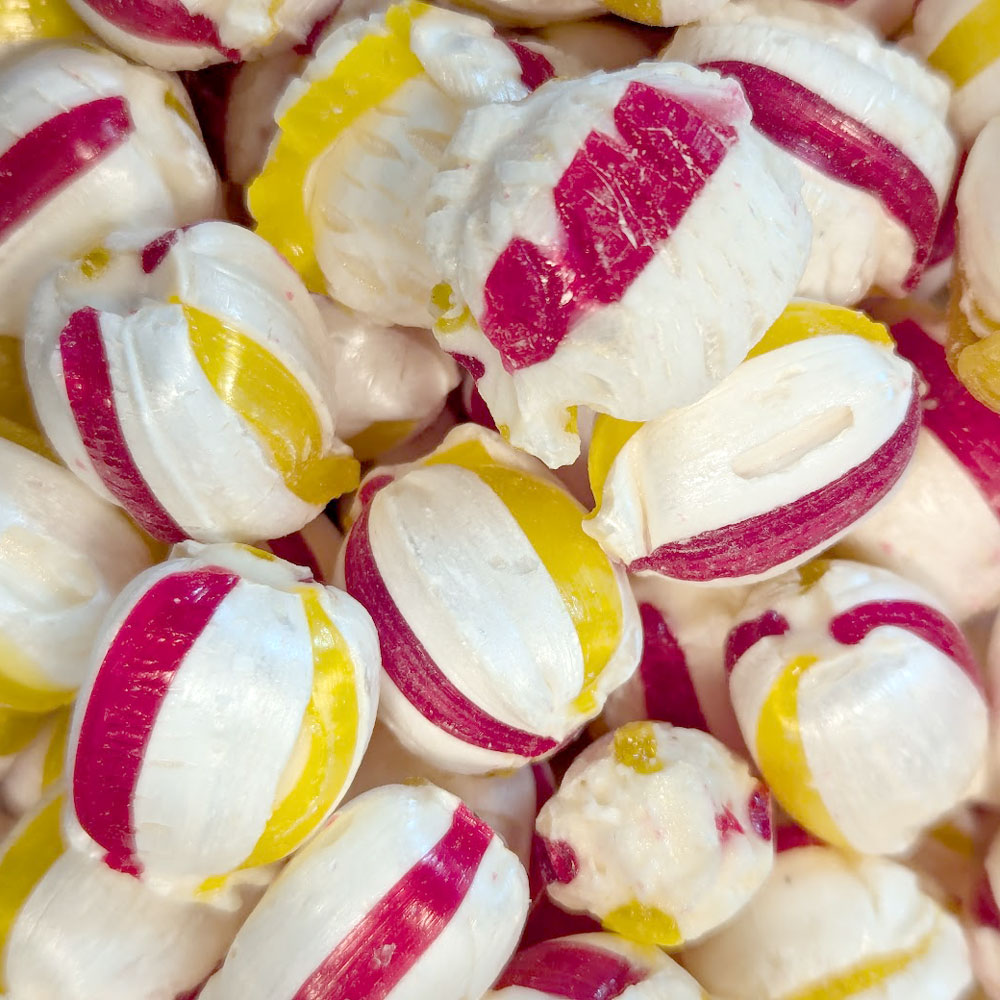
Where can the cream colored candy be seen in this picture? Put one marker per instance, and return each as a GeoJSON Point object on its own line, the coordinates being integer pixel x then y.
{"type": "Point", "coordinates": [532, 13]}
{"type": "Point", "coordinates": [827, 924]}
{"type": "Point", "coordinates": [38, 768]}
{"type": "Point", "coordinates": [315, 547]}
{"type": "Point", "coordinates": [659, 832]}
{"type": "Point", "coordinates": [601, 44]}
{"type": "Point", "coordinates": [222, 422]}
{"type": "Point", "coordinates": [406, 894]}
{"type": "Point", "coordinates": [863, 122]}
{"type": "Point", "coordinates": [860, 702]}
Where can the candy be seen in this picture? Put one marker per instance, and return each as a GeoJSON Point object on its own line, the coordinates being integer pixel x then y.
{"type": "Point", "coordinates": [657, 165]}
{"type": "Point", "coordinates": [663, 12]}
{"type": "Point", "coordinates": [38, 768]}
{"type": "Point", "coordinates": [436, 917]}
{"type": "Point", "coordinates": [983, 915]}
{"type": "Point", "coordinates": [533, 12]}
{"type": "Point", "coordinates": [828, 926]}
{"type": "Point", "coordinates": [23, 21]}
{"type": "Point", "coordinates": [863, 122]}
{"type": "Point", "coordinates": [660, 832]}
{"type": "Point", "coordinates": [143, 347]}
{"type": "Point", "coordinates": [603, 44]}
{"type": "Point", "coordinates": [315, 547]}
{"type": "Point", "coordinates": [229, 705]}
{"type": "Point", "coordinates": [860, 702]}
{"type": "Point", "coordinates": [503, 627]}
{"type": "Point", "coordinates": [771, 466]}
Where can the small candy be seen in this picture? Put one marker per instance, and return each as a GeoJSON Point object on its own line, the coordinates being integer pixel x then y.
{"type": "Point", "coordinates": [23, 21]}
{"type": "Point", "coordinates": [661, 833]}
{"type": "Point", "coordinates": [659, 167]}
{"type": "Point", "coordinates": [828, 926]}
{"type": "Point", "coordinates": [436, 916]}
{"type": "Point", "coordinates": [90, 143]}
{"type": "Point", "coordinates": [503, 626]}
{"type": "Point", "coordinates": [38, 768]}
{"type": "Point", "coordinates": [315, 547]}
{"type": "Point", "coordinates": [863, 122]}
{"type": "Point", "coordinates": [185, 379]}
{"type": "Point", "coordinates": [229, 706]}
{"type": "Point", "coordinates": [983, 915]}
{"type": "Point", "coordinates": [769, 468]}
{"type": "Point", "coordinates": [860, 701]}
{"type": "Point", "coordinates": [532, 13]}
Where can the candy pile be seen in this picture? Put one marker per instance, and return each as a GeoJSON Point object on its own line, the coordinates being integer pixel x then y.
{"type": "Point", "coordinates": [499, 499]}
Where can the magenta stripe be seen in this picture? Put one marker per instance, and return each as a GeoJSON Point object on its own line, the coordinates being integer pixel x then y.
{"type": "Point", "coordinates": [969, 430]}
{"type": "Point", "coordinates": [944, 237]}
{"type": "Point", "coordinates": [411, 669]}
{"type": "Point", "coordinates": [571, 970]}
{"type": "Point", "coordinates": [295, 549]}
{"type": "Point", "coordinates": [667, 686]}
{"type": "Point", "coordinates": [984, 904]}
{"type": "Point", "coordinates": [535, 68]}
{"type": "Point", "coordinates": [53, 153]}
{"type": "Point", "coordinates": [760, 543]}
{"type": "Point", "coordinates": [790, 836]}
{"type": "Point", "coordinates": [155, 251]}
{"type": "Point", "coordinates": [92, 400]}
{"type": "Point", "coordinates": [389, 939]}
{"type": "Point", "coordinates": [132, 682]}
{"type": "Point", "coordinates": [749, 633]}
{"type": "Point", "coordinates": [813, 130]}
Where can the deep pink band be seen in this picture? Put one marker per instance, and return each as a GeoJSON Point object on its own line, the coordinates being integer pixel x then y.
{"type": "Point", "coordinates": [574, 971]}
{"type": "Point", "coordinates": [668, 689]}
{"type": "Point", "coordinates": [749, 633]}
{"type": "Point", "coordinates": [293, 548]}
{"type": "Point", "coordinates": [155, 251]}
{"type": "Point", "coordinates": [535, 68]}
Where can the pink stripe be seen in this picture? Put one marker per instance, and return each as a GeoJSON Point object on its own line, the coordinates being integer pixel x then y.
{"type": "Point", "coordinates": [92, 400]}
{"type": "Point", "coordinates": [749, 633]}
{"type": "Point", "coordinates": [382, 948]}
{"type": "Point", "coordinates": [308, 46]}
{"type": "Point", "coordinates": [790, 836]}
{"type": "Point", "coordinates": [411, 669]}
{"type": "Point", "coordinates": [667, 686]}
{"type": "Point", "coordinates": [570, 970]}
{"type": "Point", "coordinates": [545, 784]}
{"type": "Point", "coordinates": [132, 682]}
{"type": "Point", "coordinates": [535, 68]}
{"type": "Point", "coordinates": [969, 430]}
{"type": "Point", "coordinates": [759, 810]}
{"type": "Point", "coordinates": [811, 129]}
{"type": "Point", "coordinates": [984, 904]}
{"type": "Point", "coordinates": [295, 549]}
{"type": "Point", "coordinates": [760, 543]}
{"type": "Point", "coordinates": [727, 825]}
{"type": "Point", "coordinates": [49, 156]}
{"type": "Point", "coordinates": [155, 251]}
{"type": "Point", "coordinates": [944, 237]}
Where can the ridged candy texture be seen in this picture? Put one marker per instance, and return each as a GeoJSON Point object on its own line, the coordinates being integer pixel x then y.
{"type": "Point", "coordinates": [860, 702]}
{"type": "Point", "coordinates": [26, 21]}
{"type": "Point", "coordinates": [863, 122]}
{"type": "Point", "coordinates": [140, 350]}
{"type": "Point", "coordinates": [659, 167]}
{"type": "Point", "coordinates": [437, 916]}
{"type": "Point", "coordinates": [661, 833]}
{"type": "Point", "coordinates": [828, 925]}
{"type": "Point", "coordinates": [230, 702]}
{"type": "Point", "coordinates": [73, 929]}
{"type": "Point", "coordinates": [503, 627]}
{"type": "Point", "coordinates": [90, 143]}
{"type": "Point", "coordinates": [771, 466]}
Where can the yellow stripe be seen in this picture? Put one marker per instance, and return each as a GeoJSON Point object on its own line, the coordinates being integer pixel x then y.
{"type": "Point", "coordinates": [975, 360]}
{"type": "Point", "coordinates": [95, 262]}
{"type": "Point", "coordinates": [331, 727]}
{"type": "Point", "coordinates": [635, 747]}
{"type": "Point", "coordinates": [450, 314]}
{"type": "Point", "coordinates": [379, 438]}
{"type": "Point", "coordinates": [971, 45]}
{"type": "Point", "coordinates": [15, 400]}
{"type": "Point", "coordinates": [643, 11]}
{"type": "Point", "coordinates": [25, 20]}
{"type": "Point", "coordinates": [803, 320]}
{"type": "Point", "coordinates": [25, 437]}
{"type": "Point", "coordinates": [18, 729]}
{"type": "Point", "coordinates": [645, 924]}
{"type": "Point", "coordinates": [552, 522]}
{"type": "Point", "coordinates": [367, 76]}
{"type": "Point", "coordinates": [253, 382]}
{"type": "Point", "coordinates": [174, 103]}
{"type": "Point", "coordinates": [950, 836]}
{"type": "Point", "coordinates": [54, 762]}
{"type": "Point", "coordinates": [781, 754]}
{"type": "Point", "coordinates": [610, 435]}
{"type": "Point", "coordinates": [21, 683]}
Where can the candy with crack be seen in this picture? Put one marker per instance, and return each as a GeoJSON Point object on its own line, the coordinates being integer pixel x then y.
{"type": "Point", "coordinates": [184, 377]}
{"type": "Point", "coordinates": [315, 547]}
{"type": "Point", "coordinates": [660, 832]}
{"type": "Point", "coordinates": [862, 121]}
{"type": "Point", "coordinates": [229, 704]}
{"type": "Point", "coordinates": [502, 624]}
{"type": "Point", "coordinates": [771, 466]}
{"type": "Point", "coordinates": [657, 167]}
{"type": "Point", "coordinates": [438, 916]}
{"type": "Point", "coordinates": [860, 702]}
{"type": "Point", "coordinates": [24, 21]}
{"type": "Point", "coordinates": [38, 768]}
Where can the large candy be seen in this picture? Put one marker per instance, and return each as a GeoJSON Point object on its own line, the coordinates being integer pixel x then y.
{"type": "Point", "coordinates": [406, 894]}
{"type": "Point", "coordinates": [503, 626]}
{"type": "Point", "coordinates": [230, 702]}
{"type": "Point", "coordinates": [185, 378]}
{"type": "Point", "coordinates": [770, 467]}
{"type": "Point", "coordinates": [603, 243]}
{"type": "Point", "coordinates": [860, 701]}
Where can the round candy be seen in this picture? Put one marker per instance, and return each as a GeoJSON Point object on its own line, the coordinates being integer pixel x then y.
{"type": "Point", "coordinates": [659, 167]}
{"type": "Point", "coordinates": [863, 122]}
{"type": "Point", "coordinates": [829, 925]}
{"type": "Point", "coordinates": [315, 547]}
{"type": "Point", "coordinates": [184, 377]}
{"type": "Point", "coordinates": [661, 833]}
{"type": "Point", "coordinates": [771, 466]}
{"type": "Point", "coordinates": [503, 626]}
{"type": "Point", "coordinates": [860, 701]}
{"type": "Point", "coordinates": [230, 702]}
{"type": "Point", "coordinates": [38, 768]}
{"type": "Point", "coordinates": [436, 916]}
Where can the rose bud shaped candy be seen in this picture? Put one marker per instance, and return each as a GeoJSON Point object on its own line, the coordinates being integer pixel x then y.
{"type": "Point", "coordinates": [769, 468]}
{"type": "Point", "coordinates": [602, 243]}
{"type": "Point", "coordinates": [862, 121]}
{"type": "Point", "coordinates": [860, 701]}
{"type": "Point", "coordinates": [503, 626]}
{"type": "Point", "coordinates": [38, 768]}
{"type": "Point", "coordinates": [829, 925]}
{"type": "Point", "coordinates": [315, 547]}
{"type": "Point", "coordinates": [23, 21]}
{"type": "Point", "coordinates": [185, 378]}
{"type": "Point", "coordinates": [405, 894]}
{"type": "Point", "coordinates": [230, 702]}
{"type": "Point", "coordinates": [659, 832]}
